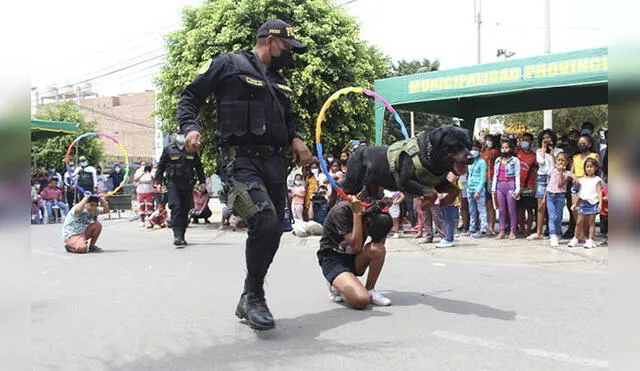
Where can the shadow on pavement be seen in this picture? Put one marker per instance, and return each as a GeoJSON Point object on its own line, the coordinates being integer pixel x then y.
{"type": "Point", "coordinates": [400, 298]}
{"type": "Point", "coordinates": [292, 338]}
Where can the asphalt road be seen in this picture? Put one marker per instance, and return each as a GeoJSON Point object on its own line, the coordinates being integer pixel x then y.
{"type": "Point", "coordinates": [141, 305]}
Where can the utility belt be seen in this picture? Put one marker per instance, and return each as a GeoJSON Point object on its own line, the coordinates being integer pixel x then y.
{"type": "Point", "coordinates": [256, 150]}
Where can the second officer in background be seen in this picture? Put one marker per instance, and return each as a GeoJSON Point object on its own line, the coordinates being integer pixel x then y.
{"type": "Point", "coordinates": [178, 168]}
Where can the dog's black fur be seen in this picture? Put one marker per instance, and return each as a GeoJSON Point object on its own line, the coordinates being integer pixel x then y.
{"type": "Point", "coordinates": [366, 165]}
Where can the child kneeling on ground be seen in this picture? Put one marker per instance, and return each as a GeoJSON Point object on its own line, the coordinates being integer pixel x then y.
{"type": "Point", "coordinates": [343, 254]}
{"type": "Point", "coordinates": [81, 229]}
{"type": "Point", "coordinates": [158, 217]}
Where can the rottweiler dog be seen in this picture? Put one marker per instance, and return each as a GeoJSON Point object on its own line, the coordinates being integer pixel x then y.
{"type": "Point", "coordinates": [440, 151]}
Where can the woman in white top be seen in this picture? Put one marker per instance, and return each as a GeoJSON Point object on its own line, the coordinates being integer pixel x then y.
{"type": "Point", "coordinates": [546, 159]}
{"type": "Point", "coordinates": [144, 192]}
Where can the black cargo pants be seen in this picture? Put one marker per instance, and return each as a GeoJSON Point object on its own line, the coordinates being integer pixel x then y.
{"type": "Point", "coordinates": [258, 195]}
{"type": "Point", "coordinates": [180, 199]}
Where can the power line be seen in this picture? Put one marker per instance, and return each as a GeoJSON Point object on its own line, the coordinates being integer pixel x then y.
{"type": "Point", "coordinates": [111, 47]}
{"type": "Point", "coordinates": [113, 116]}
{"type": "Point", "coordinates": [120, 69]}
{"type": "Point", "coordinates": [100, 71]}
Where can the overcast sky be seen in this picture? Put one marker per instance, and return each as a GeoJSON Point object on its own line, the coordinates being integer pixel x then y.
{"type": "Point", "coordinates": [77, 39]}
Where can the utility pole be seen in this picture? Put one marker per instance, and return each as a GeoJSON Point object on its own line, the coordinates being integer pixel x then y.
{"type": "Point", "coordinates": [548, 114]}
{"type": "Point", "coordinates": [477, 9]}
{"type": "Point", "coordinates": [478, 19]}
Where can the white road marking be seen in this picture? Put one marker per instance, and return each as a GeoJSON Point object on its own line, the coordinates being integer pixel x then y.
{"type": "Point", "coordinates": [587, 362]}
{"type": "Point", "coordinates": [439, 264]}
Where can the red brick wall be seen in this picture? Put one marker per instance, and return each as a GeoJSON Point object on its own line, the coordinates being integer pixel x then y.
{"type": "Point", "coordinates": [127, 118]}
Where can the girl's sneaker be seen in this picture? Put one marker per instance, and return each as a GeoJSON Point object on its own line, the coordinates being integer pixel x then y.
{"type": "Point", "coordinates": [377, 298]}
{"type": "Point", "coordinates": [553, 242]}
{"type": "Point", "coordinates": [573, 242]}
{"type": "Point", "coordinates": [445, 243]}
{"type": "Point", "coordinates": [334, 294]}
{"type": "Point", "coordinates": [589, 244]}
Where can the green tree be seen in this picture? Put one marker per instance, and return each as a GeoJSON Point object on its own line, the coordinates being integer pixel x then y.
{"type": "Point", "coordinates": [51, 152]}
{"type": "Point", "coordinates": [422, 120]}
{"type": "Point", "coordinates": [337, 58]}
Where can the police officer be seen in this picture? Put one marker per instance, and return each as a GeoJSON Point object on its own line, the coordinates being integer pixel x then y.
{"type": "Point", "coordinates": [181, 166]}
{"type": "Point", "coordinates": [255, 129]}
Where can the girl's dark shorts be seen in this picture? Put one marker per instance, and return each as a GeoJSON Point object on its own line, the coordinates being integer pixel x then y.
{"type": "Point", "coordinates": [334, 263]}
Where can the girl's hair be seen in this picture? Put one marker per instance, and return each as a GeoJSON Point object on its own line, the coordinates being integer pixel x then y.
{"type": "Point", "coordinates": [566, 156]}
{"type": "Point", "coordinates": [552, 134]}
{"type": "Point", "coordinates": [588, 138]}
{"type": "Point", "coordinates": [593, 162]}
{"type": "Point", "coordinates": [510, 143]}
{"type": "Point", "coordinates": [477, 144]}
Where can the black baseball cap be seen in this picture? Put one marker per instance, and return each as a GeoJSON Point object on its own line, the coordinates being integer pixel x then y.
{"type": "Point", "coordinates": [284, 31]}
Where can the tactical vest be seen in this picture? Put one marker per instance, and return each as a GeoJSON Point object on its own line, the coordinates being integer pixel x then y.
{"type": "Point", "coordinates": [411, 148]}
{"type": "Point", "coordinates": [85, 180]}
{"type": "Point", "coordinates": [245, 105]}
{"type": "Point", "coordinates": [180, 166]}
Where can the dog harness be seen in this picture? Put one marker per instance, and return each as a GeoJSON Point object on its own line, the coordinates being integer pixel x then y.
{"type": "Point", "coordinates": [411, 148]}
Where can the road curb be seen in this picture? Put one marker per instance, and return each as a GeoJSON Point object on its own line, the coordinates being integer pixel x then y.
{"type": "Point", "coordinates": [583, 254]}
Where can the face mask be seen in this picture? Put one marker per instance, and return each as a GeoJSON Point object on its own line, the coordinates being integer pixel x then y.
{"type": "Point", "coordinates": [489, 144]}
{"type": "Point", "coordinates": [179, 139]}
{"type": "Point", "coordinates": [99, 172]}
{"type": "Point", "coordinates": [36, 186]}
{"type": "Point", "coordinates": [583, 147]}
{"type": "Point", "coordinates": [474, 154]}
{"type": "Point", "coordinates": [51, 171]}
{"type": "Point", "coordinates": [329, 159]}
{"type": "Point", "coordinates": [586, 132]}
{"type": "Point", "coordinates": [72, 168]}
{"type": "Point", "coordinates": [181, 147]}
{"type": "Point", "coordinates": [505, 154]}
{"type": "Point", "coordinates": [315, 171]}
{"type": "Point", "coordinates": [84, 163]}
{"type": "Point", "coordinates": [525, 145]}
{"type": "Point", "coordinates": [299, 182]}
{"type": "Point", "coordinates": [117, 170]}
{"type": "Point", "coordinates": [281, 61]}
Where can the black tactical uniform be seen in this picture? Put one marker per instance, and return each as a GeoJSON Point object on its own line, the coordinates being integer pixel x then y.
{"type": "Point", "coordinates": [255, 129]}
{"type": "Point", "coordinates": [179, 166]}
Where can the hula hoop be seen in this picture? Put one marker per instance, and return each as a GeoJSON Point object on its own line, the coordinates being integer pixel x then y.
{"type": "Point", "coordinates": [67, 159]}
{"type": "Point", "coordinates": [321, 118]}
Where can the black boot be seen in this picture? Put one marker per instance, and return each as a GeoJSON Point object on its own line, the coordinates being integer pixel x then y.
{"type": "Point", "coordinates": [182, 232]}
{"type": "Point", "coordinates": [253, 308]}
{"type": "Point", "coordinates": [178, 238]}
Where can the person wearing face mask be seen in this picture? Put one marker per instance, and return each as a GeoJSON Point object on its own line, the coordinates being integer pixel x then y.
{"type": "Point", "coordinates": [116, 176]}
{"type": "Point", "coordinates": [297, 198]}
{"type": "Point", "coordinates": [255, 129]}
{"type": "Point", "coordinates": [178, 169]}
{"type": "Point", "coordinates": [588, 128]}
{"type": "Point", "coordinates": [506, 188]}
{"type": "Point", "coordinates": [490, 154]}
{"type": "Point", "coordinates": [571, 148]}
{"type": "Point", "coordinates": [70, 189]}
{"type": "Point", "coordinates": [577, 168]}
{"type": "Point", "coordinates": [86, 177]}
{"type": "Point", "coordinates": [527, 203]}
{"type": "Point", "coordinates": [53, 173]}
{"type": "Point", "coordinates": [476, 193]}
{"type": "Point", "coordinates": [312, 183]}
